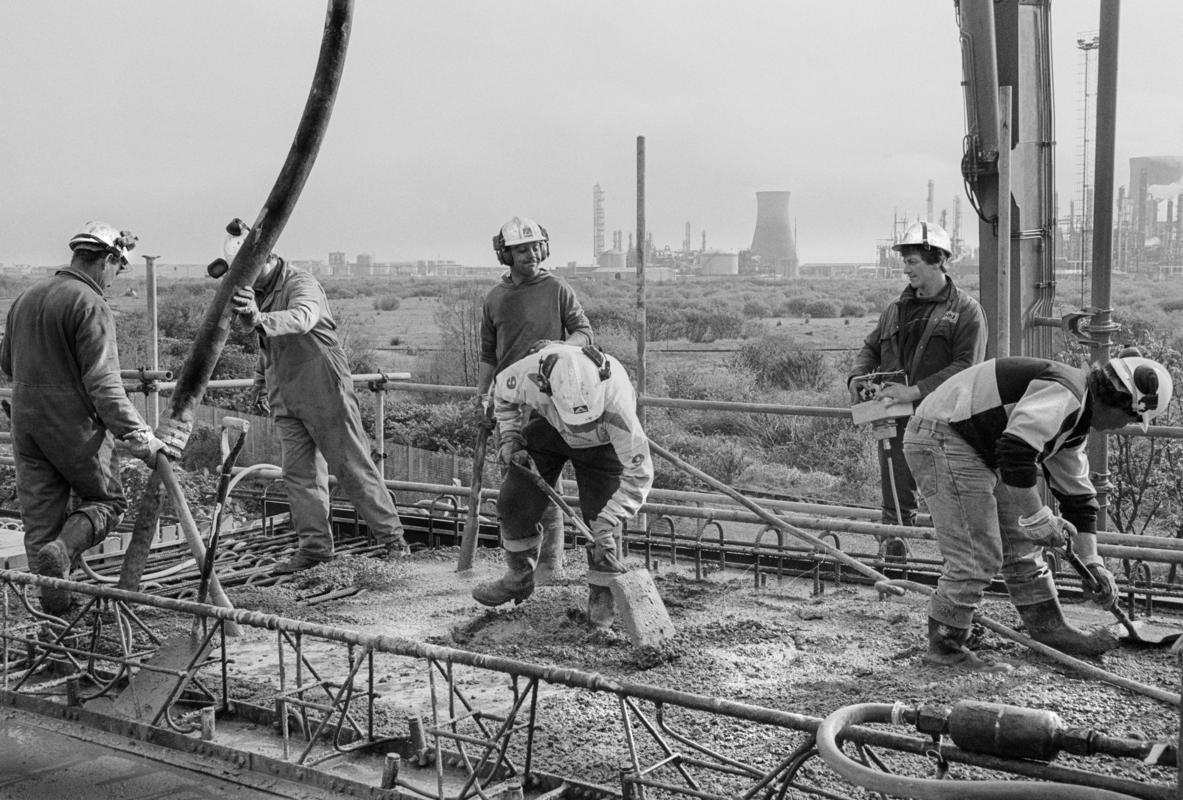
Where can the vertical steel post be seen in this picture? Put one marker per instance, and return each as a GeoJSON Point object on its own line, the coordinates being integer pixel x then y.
{"type": "Point", "coordinates": [1102, 327]}
{"type": "Point", "coordinates": [642, 322]}
{"type": "Point", "coordinates": [153, 331]}
{"type": "Point", "coordinates": [1003, 275]}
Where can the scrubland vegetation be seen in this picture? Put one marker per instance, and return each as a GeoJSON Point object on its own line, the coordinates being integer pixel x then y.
{"type": "Point", "coordinates": [758, 359]}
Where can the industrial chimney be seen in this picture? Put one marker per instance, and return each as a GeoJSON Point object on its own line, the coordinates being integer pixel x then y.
{"type": "Point", "coordinates": [773, 240]}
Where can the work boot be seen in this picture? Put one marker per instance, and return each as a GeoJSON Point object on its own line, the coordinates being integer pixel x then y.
{"type": "Point", "coordinates": [53, 561]}
{"type": "Point", "coordinates": [1046, 624]}
{"type": "Point", "coordinates": [56, 560]}
{"type": "Point", "coordinates": [298, 562]}
{"type": "Point", "coordinates": [550, 569]}
{"type": "Point", "coordinates": [516, 584]}
{"type": "Point", "coordinates": [949, 647]}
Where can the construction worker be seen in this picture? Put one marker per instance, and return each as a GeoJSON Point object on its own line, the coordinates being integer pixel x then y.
{"type": "Point", "coordinates": [303, 379]}
{"type": "Point", "coordinates": [977, 445]}
{"type": "Point", "coordinates": [527, 309]}
{"type": "Point", "coordinates": [567, 403]}
{"type": "Point", "coordinates": [932, 331]}
{"type": "Point", "coordinates": [69, 407]}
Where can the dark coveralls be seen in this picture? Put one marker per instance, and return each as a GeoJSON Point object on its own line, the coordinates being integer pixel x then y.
{"type": "Point", "coordinates": [68, 406]}
{"type": "Point", "coordinates": [928, 339]}
{"type": "Point", "coordinates": [317, 413]}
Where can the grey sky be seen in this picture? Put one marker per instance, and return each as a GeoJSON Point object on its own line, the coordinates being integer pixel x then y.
{"type": "Point", "coordinates": [169, 118]}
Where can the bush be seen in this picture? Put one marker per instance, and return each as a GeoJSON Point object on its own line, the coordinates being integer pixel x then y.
{"type": "Point", "coordinates": [386, 302]}
{"type": "Point", "coordinates": [822, 309]}
{"type": "Point", "coordinates": [777, 362]}
{"type": "Point", "coordinates": [853, 310]}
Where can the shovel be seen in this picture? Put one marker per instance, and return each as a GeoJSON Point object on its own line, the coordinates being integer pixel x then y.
{"type": "Point", "coordinates": [1137, 634]}
{"type": "Point", "coordinates": [643, 613]}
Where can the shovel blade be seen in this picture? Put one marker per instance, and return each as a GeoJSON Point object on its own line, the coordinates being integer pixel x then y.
{"type": "Point", "coordinates": [1142, 633]}
{"type": "Point", "coordinates": [149, 693]}
{"type": "Point", "coordinates": [642, 611]}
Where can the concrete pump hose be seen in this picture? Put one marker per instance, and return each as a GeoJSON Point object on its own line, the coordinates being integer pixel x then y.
{"type": "Point", "coordinates": [829, 734]}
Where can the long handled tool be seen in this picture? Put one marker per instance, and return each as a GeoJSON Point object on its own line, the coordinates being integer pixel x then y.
{"type": "Point", "coordinates": [229, 457]}
{"type": "Point", "coordinates": [643, 613]}
{"type": "Point", "coordinates": [473, 521]}
{"type": "Point", "coordinates": [1138, 634]}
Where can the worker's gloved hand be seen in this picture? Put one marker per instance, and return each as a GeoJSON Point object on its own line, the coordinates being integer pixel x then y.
{"type": "Point", "coordinates": [1045, 528]}
{"type": "Point", "coordinates": [540, 344]}
{"type": "Point", "coordinates": [513, 451]}
{"type": "Point", "coordinates": [246, 307]}
{"type": "Point", "coordinates": [174, 435]}
{"type": "Point", "coordinates": [602, 547]}
{"type": "Point", "coordinates": [480, 408]}
{"type": "Point", "coordinates": [1106, 590]}
{"type": "Point", "coordinates": [858, 389]}
{"type": "Point", "coordinates": [144, 445]}
{"type": "Point", "coordinates": [258, 401]}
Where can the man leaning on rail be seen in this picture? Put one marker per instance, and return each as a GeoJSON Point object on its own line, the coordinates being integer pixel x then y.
{"type": "Point", "coordinates": [932, 331]}
{"type": "Point", "coordinates": [303, 380]}
{"type": "Point", "coordinates": [978, 445]}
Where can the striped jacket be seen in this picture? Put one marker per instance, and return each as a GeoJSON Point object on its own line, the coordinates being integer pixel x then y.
{"type": "Point", "coordinates": [1022, 415]}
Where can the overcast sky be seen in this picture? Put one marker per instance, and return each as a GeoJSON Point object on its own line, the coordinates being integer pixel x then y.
{"type": "Point", "coordinates": [170, 118]}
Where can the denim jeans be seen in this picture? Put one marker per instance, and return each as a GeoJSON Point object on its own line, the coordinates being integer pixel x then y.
{"type": "Point", "coordinates": [976, 526]}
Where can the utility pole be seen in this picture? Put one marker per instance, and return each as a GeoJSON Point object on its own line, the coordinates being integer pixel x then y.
{"type": "Point", "coordinates": [153, 331]}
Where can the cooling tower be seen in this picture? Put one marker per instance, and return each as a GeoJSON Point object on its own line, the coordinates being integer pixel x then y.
{"type": "Point", "coordinates": [773, 240]}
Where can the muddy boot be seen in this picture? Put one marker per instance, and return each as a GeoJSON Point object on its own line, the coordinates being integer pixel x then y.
{"type": "Point", "coordinates": [1046, 624]}
{"type": "Point", "coordinates": [516, 584]}
{"type": "Point", "coordinates": [55, 560]}
{"type": "Point", "coordinates": [550, 569]}
{"type": "Point", "coordinates": [298, 562]}
{"type": "Point", "coordinates": [948, 647]}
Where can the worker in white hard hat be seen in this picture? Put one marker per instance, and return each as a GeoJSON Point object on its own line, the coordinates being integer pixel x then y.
{"type": "Point", "coordinates": [303, 381]}
{"type": "Point", "coordinates": [567, 404]}
{"type": "Point", "coordinates": [933, 331]}
{"type": "Point", "coordinates": [528, 308]}
{"type": "Point", "coordinates": [69, 407]}
{"type": "Point", "coordinates": [978, 446]}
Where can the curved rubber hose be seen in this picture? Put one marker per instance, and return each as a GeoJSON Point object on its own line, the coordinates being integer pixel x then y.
{"type": "Point", "coordinates": [215, 326]}
{"type": "Point", "coordinates": [830, 731]}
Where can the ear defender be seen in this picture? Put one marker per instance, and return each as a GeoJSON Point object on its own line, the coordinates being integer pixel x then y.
{"type": "Point", "coordinates": [1146, 381]}
{"type": "Point", "coordinates": [546, 366]}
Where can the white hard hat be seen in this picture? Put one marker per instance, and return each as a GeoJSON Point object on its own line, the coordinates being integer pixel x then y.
{"type": "Point", "coordinates": [926, 235]}
{"type": "Point", "coordinates": [576, 380]}
{"type": "Point", "coordinates": [1147, 382]}
{"type": "Point", "coordinates": [521, 230]}
{"type": "Point", "coordinates": [104, 238]}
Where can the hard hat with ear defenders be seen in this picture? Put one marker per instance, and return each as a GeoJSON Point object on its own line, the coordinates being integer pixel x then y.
{"type": "Point", "coordinates": [1147, 382]}
{"type": "Point", "coordinates": [576, 379]}
{"type": "Point", "coordinates": [236, 231]}
{"type": "Point", "coordinates": [104, 238]}
{"type": "Point", "coordinates": [519, 230]}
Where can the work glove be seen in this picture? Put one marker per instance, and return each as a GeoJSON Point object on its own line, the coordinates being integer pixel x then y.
{"type": "Point", "coordinates": [602, 547]}
{"type": "Point", "coordinates": [144, 445]}
{"type": "Point", "coordinates": [258, 401]}
{"type": "Point", "coordinates": [174, 435]}
{"type": "Point", "coordinates": [513, 451]}
{"type": "Point", "coordinates": [858, 389]}
{"type": "Point", "coordinates": [481, 409]}
{"type": "Point", "coordinates": [540, 344]}
{"type": "Point", "coordinates": [1106, 590]}
{"type": "Point", "coordinates": [246, 307]}
{"type": "Point", "coordinates": [1045, 528]}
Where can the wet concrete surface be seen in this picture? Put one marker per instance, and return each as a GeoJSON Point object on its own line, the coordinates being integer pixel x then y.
{"type": "Point", "coordinates": [47, 759]}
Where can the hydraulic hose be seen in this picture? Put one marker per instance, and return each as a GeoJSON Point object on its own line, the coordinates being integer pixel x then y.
{"type": "Point", "coordinates": [829, 734]}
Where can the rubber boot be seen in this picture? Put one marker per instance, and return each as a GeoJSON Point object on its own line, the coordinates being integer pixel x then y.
{"type": "Point", "coordinates": [550, 570]}
{"type": "Point", "coordinates": [949, 647]}
{"type": "Point", "coordinates": [55, 560]}
{"type": "Point", "coordinates": [1046, 624]}
{"type": "Point", "coordinates": [516, 584]}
